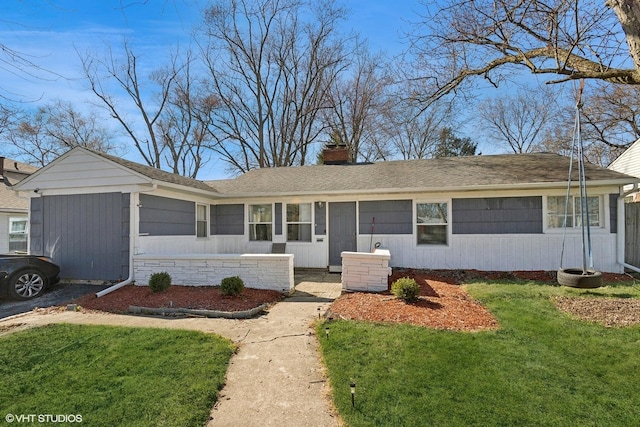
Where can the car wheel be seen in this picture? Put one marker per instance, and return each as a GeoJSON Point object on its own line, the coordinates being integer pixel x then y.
{"type": "Point", "coordinates": [27, 284]}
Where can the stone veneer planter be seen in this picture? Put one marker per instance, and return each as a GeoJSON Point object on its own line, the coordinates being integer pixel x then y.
{"type": "Point", "coordinates": [366, 271]}
{"type": "Point", "coordinates": [258, 271]}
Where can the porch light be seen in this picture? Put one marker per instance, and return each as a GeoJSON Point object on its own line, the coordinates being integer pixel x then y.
{"type": "Point", "coordinates": [353, 393]}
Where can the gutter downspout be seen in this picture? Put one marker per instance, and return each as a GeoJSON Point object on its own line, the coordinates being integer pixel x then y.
{"type": "Point", "coordinates": [133, 235]}
{"type": "Point", "coordinates": [621, 229]}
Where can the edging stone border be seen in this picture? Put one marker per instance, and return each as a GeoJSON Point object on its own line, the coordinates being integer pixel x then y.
{"type": "Point", "coordinates": [245, 314]}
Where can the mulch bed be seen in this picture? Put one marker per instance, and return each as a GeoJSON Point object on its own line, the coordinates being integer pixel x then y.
{"type": "Point", "coordinates": [443, 304]}
{"type": "Point", "coordinates": [193, 297]}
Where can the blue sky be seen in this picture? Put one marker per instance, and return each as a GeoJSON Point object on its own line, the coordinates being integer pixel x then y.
{"type": "Point", "coordinates": [51, 32]}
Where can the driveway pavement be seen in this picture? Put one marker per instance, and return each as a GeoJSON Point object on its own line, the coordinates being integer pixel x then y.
{"type": "Point", "coordinates": [58, 294]}
{"type": "Point", "coordinates": [275, 378]}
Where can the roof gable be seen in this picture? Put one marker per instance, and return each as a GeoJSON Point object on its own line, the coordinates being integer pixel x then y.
{"type": "Point", "coordinates": [629, 161]}
{"type": "Point", "coordinates": [81, 167]}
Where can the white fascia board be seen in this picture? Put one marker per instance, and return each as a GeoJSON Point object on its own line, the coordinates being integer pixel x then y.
{"type": "Point", "coordinates": [458, 189]}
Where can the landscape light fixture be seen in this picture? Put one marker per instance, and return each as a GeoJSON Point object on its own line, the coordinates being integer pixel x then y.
{"type": "Point", "coordinates": [326, 331]}
{"type": "Point", "coordinates": [318, 312]}
{"type": "Point", "coordinates": [353, 393]}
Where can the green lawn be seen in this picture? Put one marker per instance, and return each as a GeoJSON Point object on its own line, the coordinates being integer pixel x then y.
{"type": "Point", "coordinates": [113, 376]}
{"type": "Point", "coordinates": [542, 368]}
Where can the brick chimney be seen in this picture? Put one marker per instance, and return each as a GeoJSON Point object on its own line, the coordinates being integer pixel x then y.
{"type": "Point", "coordinates": [335, 154]}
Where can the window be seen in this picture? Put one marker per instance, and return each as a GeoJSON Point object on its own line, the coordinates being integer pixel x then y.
{"type": "Point", "coordinates": [299, 222]}
{"type": "Point", "coordinates": [432, 224]}
{"type": "Point", "coordinates": [556, 209]}
{"type": "Point", "coordinates": [18, 234]}
{"type": "Point", "coordinates": [201, 220]}
{"type": "Point", "coordinates": [260, 226]}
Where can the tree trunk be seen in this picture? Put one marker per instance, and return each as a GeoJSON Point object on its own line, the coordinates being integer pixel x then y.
{"type": "Point", "coordinates": [628, 12]}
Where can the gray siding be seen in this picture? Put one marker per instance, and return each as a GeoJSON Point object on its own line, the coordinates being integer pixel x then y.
{"type": "Point", "coordinates": [36, 237]}
{"type": "Point", "coordinates": [227, 220]}
{"type": "Point", "coordinates": [162, 216]}
{"type": "Point", "coordinates": [499, 215]}
{"type": "Point", "coordinates": [391, 217]}
{"type": "Point", "coordinates": [278, 219]}
{"type": "Point", "coordinates": [87, 235]}
{"type": "Point", "coordinates": [321, 218]}
{"type": "Point", "coordinates": [613, 213]}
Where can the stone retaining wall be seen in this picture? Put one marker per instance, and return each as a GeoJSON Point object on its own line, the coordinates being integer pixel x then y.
{"type": "Point", "coordinates": [365, 271]}
{"type": "Point", "coordinates": [258, 271]}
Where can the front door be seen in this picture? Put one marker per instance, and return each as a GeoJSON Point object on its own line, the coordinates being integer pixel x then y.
{"type": "Point", "coordinates": [342, 232]}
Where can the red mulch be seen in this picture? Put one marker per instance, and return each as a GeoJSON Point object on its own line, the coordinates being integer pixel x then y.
{"type": "Point", "coordinates": [443, 304]}
{"type": "Point", "coordinates": [193, 297]}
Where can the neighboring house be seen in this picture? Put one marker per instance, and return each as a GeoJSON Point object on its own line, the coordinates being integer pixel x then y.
{"type": "Point", "coordinates": [14, 207]}
{"type": "Point", "coordinates": [629, 163]}
{"type": "Point", "coordinates": [95, 213]}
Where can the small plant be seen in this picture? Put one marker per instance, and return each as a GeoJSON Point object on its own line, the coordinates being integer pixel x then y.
{"type": "Point", "coordinates": [231, 286]}
{"type": "Point", "coordinates": [159, 282]}
{"type": "Point", "coordinates": [406, 289]}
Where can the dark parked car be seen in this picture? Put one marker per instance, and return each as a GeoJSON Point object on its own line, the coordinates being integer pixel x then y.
{"type": "Point", "coordinates": [26, 276]}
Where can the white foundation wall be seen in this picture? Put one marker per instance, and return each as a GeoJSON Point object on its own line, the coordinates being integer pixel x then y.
{"type": "Point", "coordinates": [306, 254]}
{"type": "Point", "coordinates": [505, 252]}
{"type": "Point", "coordinates": [264, 271]}
{"type": "Point", "coordinates": [366, 271]}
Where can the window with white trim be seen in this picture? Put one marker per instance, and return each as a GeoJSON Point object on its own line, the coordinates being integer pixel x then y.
{"type": "Point", "coordinates": [432, 225]}
{"type": "Point", "coordinates": [556, 206]}
{"type": "Point", "coordinates": [299, 222]}
{"type": "Point", "coordinates": [260, 222]}
{"type": "Point", "coordinates": [18, 233]}
{"type": "Point", "coordinates": [201, 220]}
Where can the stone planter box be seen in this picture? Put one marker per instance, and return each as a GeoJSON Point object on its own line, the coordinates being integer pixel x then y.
{"type": "Point", "coordinates": [258, 271]}
{"type": "Point", "coordinates": [366, 271]}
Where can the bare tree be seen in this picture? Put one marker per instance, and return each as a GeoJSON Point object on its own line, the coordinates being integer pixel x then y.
{"type": "Point", "coordinates": [271, 65]}
{"type": "Point", "coordinates": [161, 121]}
{"type": "Point", "coordinates": [517, 122]}
{"type": "Point", "coordinates": [24, 66]}
{"type": "Point", "coordinates": [573, 40]}
{"type": "Point", "coordinates": [8, 115]}
{"type": "Point", "coordinates": [53, 129]}
{"type": "Point", "coordinates": [612, 115]}
{"type": "Point", "coordinates": [409, 130]}
{"type": "Point", "coordinates": [182, 128]}
{"type": "Point", "coordinates": [356, 102]}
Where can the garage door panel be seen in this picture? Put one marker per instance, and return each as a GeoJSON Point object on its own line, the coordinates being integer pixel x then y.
{"type": "Point", "coordinates": [86, 234]}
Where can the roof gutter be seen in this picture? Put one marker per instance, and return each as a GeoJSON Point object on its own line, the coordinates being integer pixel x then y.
{"type": "Point", "coordinates": [467, 188]}
{"type": "Point", "coordinates": [621, 229]}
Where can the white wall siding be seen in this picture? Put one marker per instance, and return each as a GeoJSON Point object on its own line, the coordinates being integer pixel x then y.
{"type": "Point", "coordinates": [174, 245]}
{"type": "Point", "coordinates": [507, 252]}
{"type": "Point", "coordinates": [4, 232]}
{"type": "Point", "coordinates": [306, 255]}
{"type": "Point", "coordinates": [82, 170]}
{"type": "Point", "coordinates": [629, 161]}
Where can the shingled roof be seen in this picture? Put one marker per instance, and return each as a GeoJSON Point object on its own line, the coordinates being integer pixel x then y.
{"type": "Point", "coordinates": [442, 174]}
{"type": "Point", "coordinates": [155, 173]}
{"type": "Point", "coordinates": [14, 171]}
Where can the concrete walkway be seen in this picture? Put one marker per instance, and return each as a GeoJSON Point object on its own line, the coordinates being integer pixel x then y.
{"type": "Point", "coordinates": [275, 379]}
